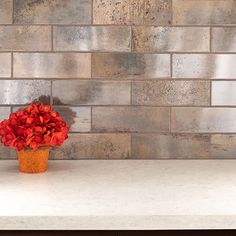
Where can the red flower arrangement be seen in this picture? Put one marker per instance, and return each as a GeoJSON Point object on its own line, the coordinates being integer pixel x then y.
{"type": "Point", "coordinates": [33, 127]}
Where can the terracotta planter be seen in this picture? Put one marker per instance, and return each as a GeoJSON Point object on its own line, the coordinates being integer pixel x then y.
{"type": "Point", "coordinates": [33, 161]}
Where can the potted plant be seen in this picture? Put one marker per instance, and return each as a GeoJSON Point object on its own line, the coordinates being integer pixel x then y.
{"type": "Point", "coordinates": [32, 131]}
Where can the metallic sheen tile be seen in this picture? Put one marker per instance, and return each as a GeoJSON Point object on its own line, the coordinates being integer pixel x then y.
{"type": "Point", "coordinates": [77, 118]}
{"type": "Point", "coordinates": [195, 12]}
{"type": "Point", "coordinates": [131, 65]}
{"type": "Point", "coordinates": [218, 66]}
{"type": "Point", "coordinates": [24, 91]}
{"type": "Point", "coordinates": [23, 38]}
{"type": "Point", "coordinates": [4, 112]}
{"type": "Point", "coordinates": [52, 65]}
{"type": "Point", "coordinates": [195, 93]}
{"type": "Point", "coordinates": [151, 12]}
{"type": "Point", "coordinates": [203, 120]}
{"type": "Point", "coordinates": [166, 146]}
{"type": "Point", "coordinates": [223, 93]}
{"type": "Point", "coordinates": [6, 11]}
{"type": "Point", "coordinates": [160, 39]}
{"type": "Point", "coordinates": [130, 119]}
{"type": "Point", "coordinates": [224, 39]}
{"type": "Point", "coordinates": [87, 92]}
{"type": "Point", "coordinates": [52, 12]}
{"type": "Point", "coordinates": [5, 65]}
{"type": "Point", "coordinates": [94, 146]}
{"type": "Point", "coordinates": [92, 38]}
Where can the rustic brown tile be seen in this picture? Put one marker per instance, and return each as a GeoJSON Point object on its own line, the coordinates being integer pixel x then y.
{"type": "Point", "coordinates": [87, 92]}
{"type": "Point", "coordinates": [52, 12]}
{"type": "Point", "coordinates": [130, 65]}
{"type": "Point", "coordinates": [25, 38]}
{"type": "Point", "coordinates": [5, 65]}
{"type": "Point", "coordinates": [7, 153]}
{"type": "Point", "coordinates": [4, 113]}
{"type": "Point", "coordinates": [195, 93]}
{"type": "Point", "coordinates": [131, 119]}
{"type": "Point", "coordinates": [6, 11]}
{"type": "Point", "coordinates": [24, 91]}
{"type": "Point", "coordinates": [77, 118]}
{"type": "Point", "coordinates": [166, 146]}
{"type": "Point", "coordinates": [203, 120]}
{"type": "Point", "coordinates": [92, 38]}
{"type": "Point", "coordinates": [170, 39]}
{"type": "Point", "coordinates": [224, 39]}
{"type": "Point", "coordinates": [52, 65]}
{"type": "Point", "coordinates": [207, 12]}
{"type": "Point", "coordinates": [94, 146]}
{"type": "Point", "coordinates": [132, 12]}
{"type": "Point", "coordinates": [218, 66]}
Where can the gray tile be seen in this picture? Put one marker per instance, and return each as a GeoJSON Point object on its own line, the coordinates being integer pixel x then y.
{"type": "Point", "coordinates": [92, 38]}
{"type": "Point", "coordinates": [151, 12]}
{"type": "Point", "coordinates": [7, 153]}
{"type": "Point", "coordinates": [224, 39]}
{"type": "Point", "coordinates": [203, 120]}
{"type": "Point", "coordinates": [131, 65]}
{"type": "Point", "coordinates": [94, 146]}
{"type": "Point", "coordinates": [5, 65]}
{"type": "Point", "coordinates": [87, 92]}
{"type": "Point", "coordinates": [194, 12]}
{"type": "Point", "coordinates": [218, 66]}
{"type": "Point", "coordinates": [77, 118]}
{"type": "Point", "coordinates": [52, 65]}
{"type": "Point", "coordinates": [170, 39]}
{"type": "Point", "coordinates": [195, 93]}
{"type": "Point", "coordinates": [4, 113]}
{"type": "Point", "coordinates": [6, 11]}
{"type": "Point", "coordinates": [52, 12]}
{"type": "Point", "coordinates": [25, 38]}
{"type": "Point", "coordinates": [130, 119]}
{"type": "Point", "coordinates": [24, 91]}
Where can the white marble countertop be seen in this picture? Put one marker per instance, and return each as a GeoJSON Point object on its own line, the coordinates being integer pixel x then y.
{"type": "Point", "coordinates": [126, 194]}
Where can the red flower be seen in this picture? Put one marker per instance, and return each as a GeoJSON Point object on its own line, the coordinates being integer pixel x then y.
{"type": "Point", "coordinates": [33, 127]}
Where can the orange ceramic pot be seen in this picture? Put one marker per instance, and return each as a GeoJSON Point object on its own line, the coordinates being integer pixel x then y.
{"type": "Point", "coordinates": [31, 161]}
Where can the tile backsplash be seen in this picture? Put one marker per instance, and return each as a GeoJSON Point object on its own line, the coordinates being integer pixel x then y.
{"type": "Point", "coordinates": [134, 79]}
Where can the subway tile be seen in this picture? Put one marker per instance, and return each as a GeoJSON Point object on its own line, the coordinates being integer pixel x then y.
{"type": "Point", "coordinates": [218, 66]}
{"type": "Point", "coordinates": [170, 39]}
{"type": "Point", "coordinates": [24, 91]}
{"type": "Point", "coordinates": [130, 119]}
{"type": "Point", "coordinates": [92, 38]}
{"type": "Point", "coordinates": [52, 65]}
{"type": "Point", "coordinates": [130, 65]}
{"type": "Point", "coordinates": [87, 92]}
{"type": "Point", "coordinates": [166, 146]}
{"type": "Point", "coordinates": [52, 12]}
{"type": "Point", "coordinates": [4, 113]}
{"type": "Point", "coordinates": [5, 65]}
{"type": "Point", "coordinates": [146, 12]}
{"type": "Point", "coordinates": [193, 12]}
{"type": "Point", "coordinates": [94, 146]}
{"type": "Point", "coordinates": [224, 39]}
{"type": "Point", "coordinates": [25, 38]}
{"type": "Point", "coordinates": [77, 118]}
{"type": "Point", "coordinates": [6, 11]}
{"type": "Point", "coordinates": [203, 120]}
{"type": "Point", "coordinates": [195, 93]}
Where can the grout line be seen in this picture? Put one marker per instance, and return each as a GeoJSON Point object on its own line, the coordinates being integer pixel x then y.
{"type": "Point", "coordinates": [92, 12]}
{"type": "Point", "coordinates": [52, 35]}
{"type": "Point", "coordinates": [131, 92]}
{"type": "Point", "coordinates": [131, 145]}
{"type": "Point", "coordinates": [210, 94]}
{"type": "Point", "coordinates": [12, 12]}
{"type": "Point", "coordinates": [51, 98]}
{"type": "Point", "coordinates": [91, 117]}
{"type": "Point", "coordinates": [12, 66]}
{"type": "Point", "coordinates": [171, 11]}
{"type": "Point", "coordinates": [210, 38]}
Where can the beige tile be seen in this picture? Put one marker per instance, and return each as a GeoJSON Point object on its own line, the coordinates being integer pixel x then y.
{"type": "Point", "coordinates": [90, 92]}
{"type": "Point", "coordinates": [4, 113]}
{"type": "Point", "coordinates": [195, 12]}
{"type": "Point", "coordinates": [151, 12]}
{"type": "Point", "coordinates": [92, 38]}
{"type": "Point", "coordinates": [195, 93]}
{"type": "Point", "coordinates": [130, 119]}
{"type": "Point", "coordinates": [6, 11]}
{"type": "Point", "coordinates": [25, 38]}
{"type": "Point", "coordinates": [203, 120]}
{"type": "Point", "coordinates": [171, 39]}
{"type": "Point", "coordinates": [94, 146]}
{"type": "Point", "coordinates": [52, 65]}
{"type": "Point", "coordinates": [52, 12]}
{"type": "Point", "coordinates": [5, 65]}
{"type": "Point", "coordinates": [130, 65]}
